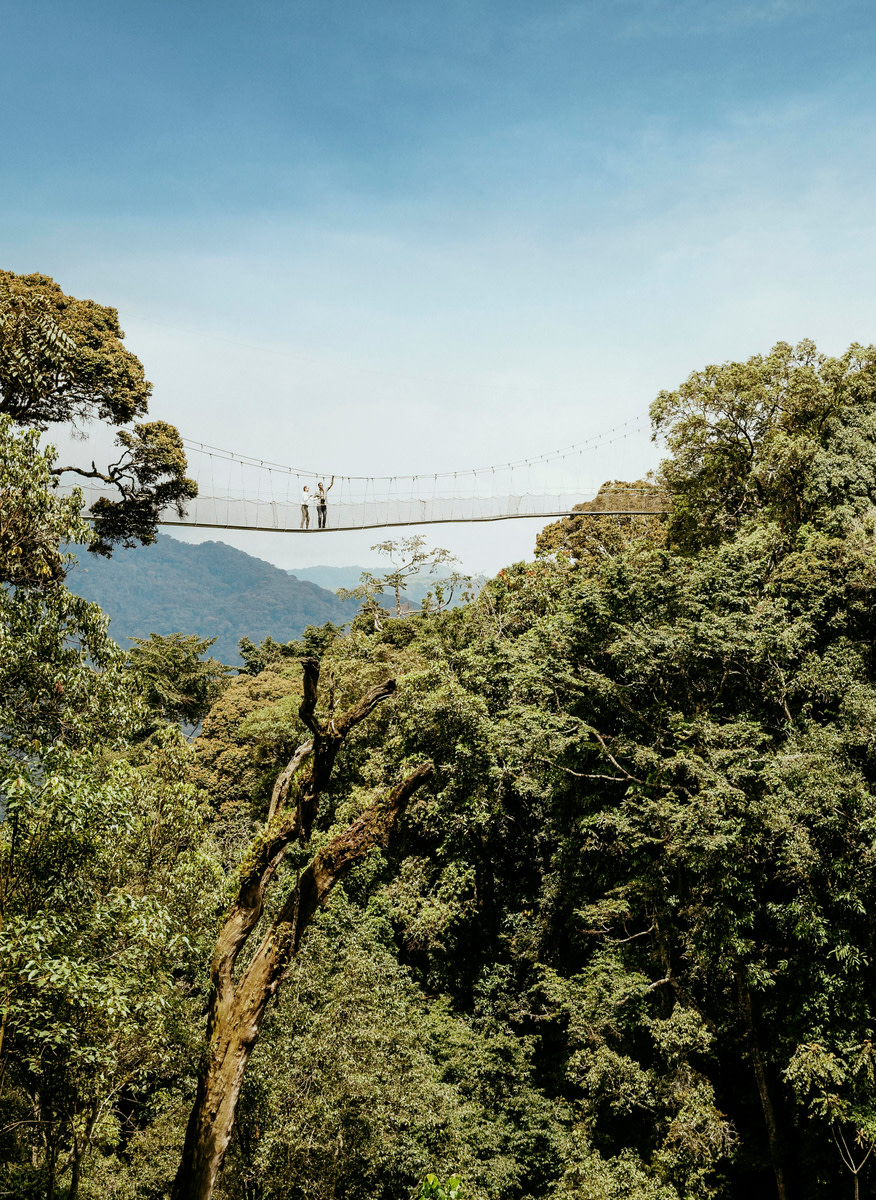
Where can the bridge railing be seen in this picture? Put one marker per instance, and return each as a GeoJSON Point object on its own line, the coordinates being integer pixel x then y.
{"type": "Point", "coordinates": [215, 512]}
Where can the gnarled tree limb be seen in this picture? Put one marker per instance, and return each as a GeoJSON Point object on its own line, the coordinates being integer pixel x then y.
{"type": "Point", "coordinates": [237, 1007]}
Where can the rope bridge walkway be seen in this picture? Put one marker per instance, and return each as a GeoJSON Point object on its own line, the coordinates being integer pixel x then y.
{"type": "Point", "coordinates": [236, 491]}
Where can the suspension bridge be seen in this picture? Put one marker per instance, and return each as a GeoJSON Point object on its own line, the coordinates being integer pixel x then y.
{"type": "Point", "coordinates": [236, 491]}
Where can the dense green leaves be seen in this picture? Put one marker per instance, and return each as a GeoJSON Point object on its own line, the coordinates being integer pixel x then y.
{"type": "Point", "coordinates": [35, 522]}
{"type": "Point", "coordinates": [62, 361]}
{"type": "Point", "coordinates": [625, 945]}
{"type": "Point", "coordinates": [787, 437]}
{"type": "Point", "coordinates": [433, 1189]}
{"type": "Point", "coordinates": [101, 885]}
{"type": "Point", "coordinates": [175, 679]}
{"type": "Point", "coordinates": [104, 864]}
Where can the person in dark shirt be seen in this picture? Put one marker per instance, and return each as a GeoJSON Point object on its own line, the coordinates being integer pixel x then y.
{"type": "Point", "coordinates": [321, 502]}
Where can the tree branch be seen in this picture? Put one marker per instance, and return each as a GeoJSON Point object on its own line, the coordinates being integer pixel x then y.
{"type": "Point", "coordinates": [256, 872]}
{"type": "Point", "coordinates": [307, 708]}
{"type": "Point", "coordinates": [632, 938]}
{"type": "Point", "coordinates": [92, 474]}
{"type": "Point", "coordinates": [237, 1007]}
{"type": "Point", "coordinates": [610, 756]}
{"type": "Point", "coordinates": [371, 829]}
{"type": "Point", "coordinates": [283, 827]}
{"type": "Point", "coordinates": [283, 782]}
{"type": "Point", "coordinates": [582, 774]}
{"type": "Point", "coordinates": [359, 711]}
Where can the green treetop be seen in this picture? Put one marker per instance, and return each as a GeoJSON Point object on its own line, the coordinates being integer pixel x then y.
{"type": "Point", "coordinates": [787, 437]}
{"type": "Point", "coordinates": [177, 682]}
{"type": "Point", "coordinates": [62, 361]}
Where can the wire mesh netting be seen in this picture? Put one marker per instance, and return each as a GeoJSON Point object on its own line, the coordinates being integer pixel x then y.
{"type": "Point", "coordinates": [239, 492]}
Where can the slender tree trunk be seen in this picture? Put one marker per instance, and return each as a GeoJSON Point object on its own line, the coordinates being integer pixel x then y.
{"type": "Point", "coordinates": [235, 1026]}
{"type": "Point", "coordinates": [75, 1175]}
{"type": "Point", "coordinates": [769, 1113]}
{"type": "Point", "coordinates": [238, 1007]}
{"type": "Point", "coordinates": [52, 1163]}
{"type": "Point", "coordinates": [79, 1151]}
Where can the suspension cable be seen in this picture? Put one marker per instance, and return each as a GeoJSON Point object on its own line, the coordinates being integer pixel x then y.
{"type": "Point", "coordinates": [615, 433]}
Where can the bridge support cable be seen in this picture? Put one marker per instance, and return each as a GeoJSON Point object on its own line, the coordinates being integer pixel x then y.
{"type": "Point", "coordinates": [243, 493]}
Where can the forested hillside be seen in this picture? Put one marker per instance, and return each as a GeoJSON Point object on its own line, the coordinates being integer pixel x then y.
{"type": "Point", "coordinates": [566, 892]}
{"type": "Point", "coordinates": [209, 589]}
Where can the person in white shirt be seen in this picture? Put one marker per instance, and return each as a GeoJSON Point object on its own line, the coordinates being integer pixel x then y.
{"type": "Point", "coordinates": [321, 501]}
{"type": "Point", "coordinates": [305, 507]}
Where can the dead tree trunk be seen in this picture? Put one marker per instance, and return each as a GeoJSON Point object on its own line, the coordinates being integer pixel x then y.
{"type": "Point", "coordinates": [237, 1007]}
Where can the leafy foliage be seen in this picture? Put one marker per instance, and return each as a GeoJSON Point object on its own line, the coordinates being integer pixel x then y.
{"type": "Point", "coordinates": [313, 643]}
{"type": "Point", "coordinates": [177, 682]}
{"type": "Point", "coordinates": [624, 947]}
{"type": "Point", "coordinates": [62, 360]}
{"type": "Point", "coordinates": [433, 1189]}
{"type": "Point", "coordinates": [60, 674]}
{"type": "Point", "coordinates": [34, 521]}
{"type": "Point", "coordinates": [103, 861]}
{"type": "Point", "coordinates": [784, 436]}
{"type": "Point", "coordinates": [409, 560]}
{"type": "Point", "coordinates": [149, 476]}
{"type": "Point", "coordinates": [600, 535]}
{"type": "Point", "coordinates": [100, 909]}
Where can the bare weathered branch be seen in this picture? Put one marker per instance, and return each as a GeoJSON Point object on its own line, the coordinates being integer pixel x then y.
{"type": "Point", "coordinates": [371, 829]}
{"type": "Point", "coordinates": [283, 782]}
{"type": "Point", "coordinates": [359, 711]}
{"type": "Point", "coordinates": [237, 1008]}
{"type": "Point", "coordinates": [307, 709]}
{"type": "Point", "coordinates": [611, 757]}
{"type": "Point", "coordinates": [256, 872]}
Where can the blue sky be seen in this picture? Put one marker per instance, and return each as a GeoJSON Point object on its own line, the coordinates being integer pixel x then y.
{"type": "Point", "coordinates": [410, 236]}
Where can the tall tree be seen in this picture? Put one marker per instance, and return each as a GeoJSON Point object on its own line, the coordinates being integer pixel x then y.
{"type": "Point", "coordinates": [238, 1005]}
{"type": "Point", "coordinates": [62, 361]}
{"type": "Point", "coordinates": [409, 559]}
{"type": "Point", "coordinates": [177, 682]}
{"type": "Point", "coordinates": [600, 531]}
{"type": "Point", "coordinates": [785, 436]}
{"type": "Point", "coordinates": [94, 851]}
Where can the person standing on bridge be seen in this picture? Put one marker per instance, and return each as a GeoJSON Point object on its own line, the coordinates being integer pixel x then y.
{"type": "Point", "coordinates": [306, 497]}
{"type": "Point", "coordinates": [321, 502]}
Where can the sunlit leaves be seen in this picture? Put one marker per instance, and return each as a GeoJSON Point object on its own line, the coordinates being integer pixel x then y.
{"type": "Point", "coordinates": [62, 359]}
{"type": "Point", "coordinates": [34, 520]}
{"type": "Point", "coordinates": [788, 437]}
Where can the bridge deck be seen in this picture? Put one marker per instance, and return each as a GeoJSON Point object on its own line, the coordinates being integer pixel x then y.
{"type": "Point", "coordinates": [524, 516]}
{"type": "Point", "coordinates": [240, 512]}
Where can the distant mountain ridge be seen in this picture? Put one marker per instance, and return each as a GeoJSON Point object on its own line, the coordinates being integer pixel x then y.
{"type": "Point", "coordinates": [332, 578]}
{"type": "Point", "coordinates": [209, 589]}
{"type": "Point", "coordinates": [348, 577]}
